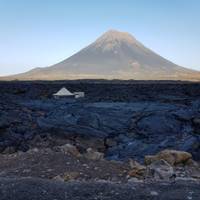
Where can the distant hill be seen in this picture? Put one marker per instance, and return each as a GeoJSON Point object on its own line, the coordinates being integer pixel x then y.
{"type": "Point", "coordinates": [114, 55]}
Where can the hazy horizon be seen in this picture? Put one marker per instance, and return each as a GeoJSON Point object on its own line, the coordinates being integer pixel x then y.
{"type": "Point", "coordinates": [39, 34]}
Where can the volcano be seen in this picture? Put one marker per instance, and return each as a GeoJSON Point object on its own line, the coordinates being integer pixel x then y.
{"type": "Point", "coordinates": [114, 55]}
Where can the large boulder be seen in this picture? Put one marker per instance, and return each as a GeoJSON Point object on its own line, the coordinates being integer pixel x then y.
{"type": "Point", "coordinates": [137, 170]}
{"type": "Point", "coordinates": [160, 170]}
{"type": "Point", "coordinates": [173, 157]}
{"type": "Point", "coordinates": [93, 155]}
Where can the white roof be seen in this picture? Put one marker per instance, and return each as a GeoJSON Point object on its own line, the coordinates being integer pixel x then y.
{"type": "Point", "coordinates": [64, 92]}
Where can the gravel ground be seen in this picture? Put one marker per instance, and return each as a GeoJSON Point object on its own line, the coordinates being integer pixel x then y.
{"type": "Point", "coordinates": [35, 189]}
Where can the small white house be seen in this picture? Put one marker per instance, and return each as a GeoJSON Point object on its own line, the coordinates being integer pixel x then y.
{"type": "Point", "coordinates": [65, 93]}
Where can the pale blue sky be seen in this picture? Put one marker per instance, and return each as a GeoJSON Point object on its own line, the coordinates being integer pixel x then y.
{"type": "Point", "coordinates": [39, 33]}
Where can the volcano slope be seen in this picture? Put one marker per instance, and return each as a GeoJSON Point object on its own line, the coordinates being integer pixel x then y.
{"type": "Point", "coordinates": [114, 55]}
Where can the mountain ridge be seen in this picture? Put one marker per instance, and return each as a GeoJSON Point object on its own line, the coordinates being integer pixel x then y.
{"type": "Point", "coordinates": [114, 55]}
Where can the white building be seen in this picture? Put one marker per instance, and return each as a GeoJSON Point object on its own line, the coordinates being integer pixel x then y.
{"type": "Point", "coordinates": [64, 93]}
{"type": "Point", "coordinates": [79, 94]}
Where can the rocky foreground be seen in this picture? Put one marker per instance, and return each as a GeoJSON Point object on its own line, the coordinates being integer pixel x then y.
{"type": "Point", "coordinates": [125, 140]}
{"type": "Point", "coordinates": [34, 189]}
{"type": "Point", "coordinates": [64, 173]}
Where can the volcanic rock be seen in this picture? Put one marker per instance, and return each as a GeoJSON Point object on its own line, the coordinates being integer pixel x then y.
{"type": "Point", "coordinates": [69, 148]}
{"type": "Point", "coordinates": [93, 155]}
{"type": "Point", "coordinates": [137, 170]}
{"type": "Point", "coordinates": [173, 157]}
{"type": "Point", "coordinates": [160, 170]}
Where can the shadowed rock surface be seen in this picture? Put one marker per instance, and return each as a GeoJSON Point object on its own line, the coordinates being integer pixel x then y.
{"type": "Point", "coordinates": [124, 119]}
